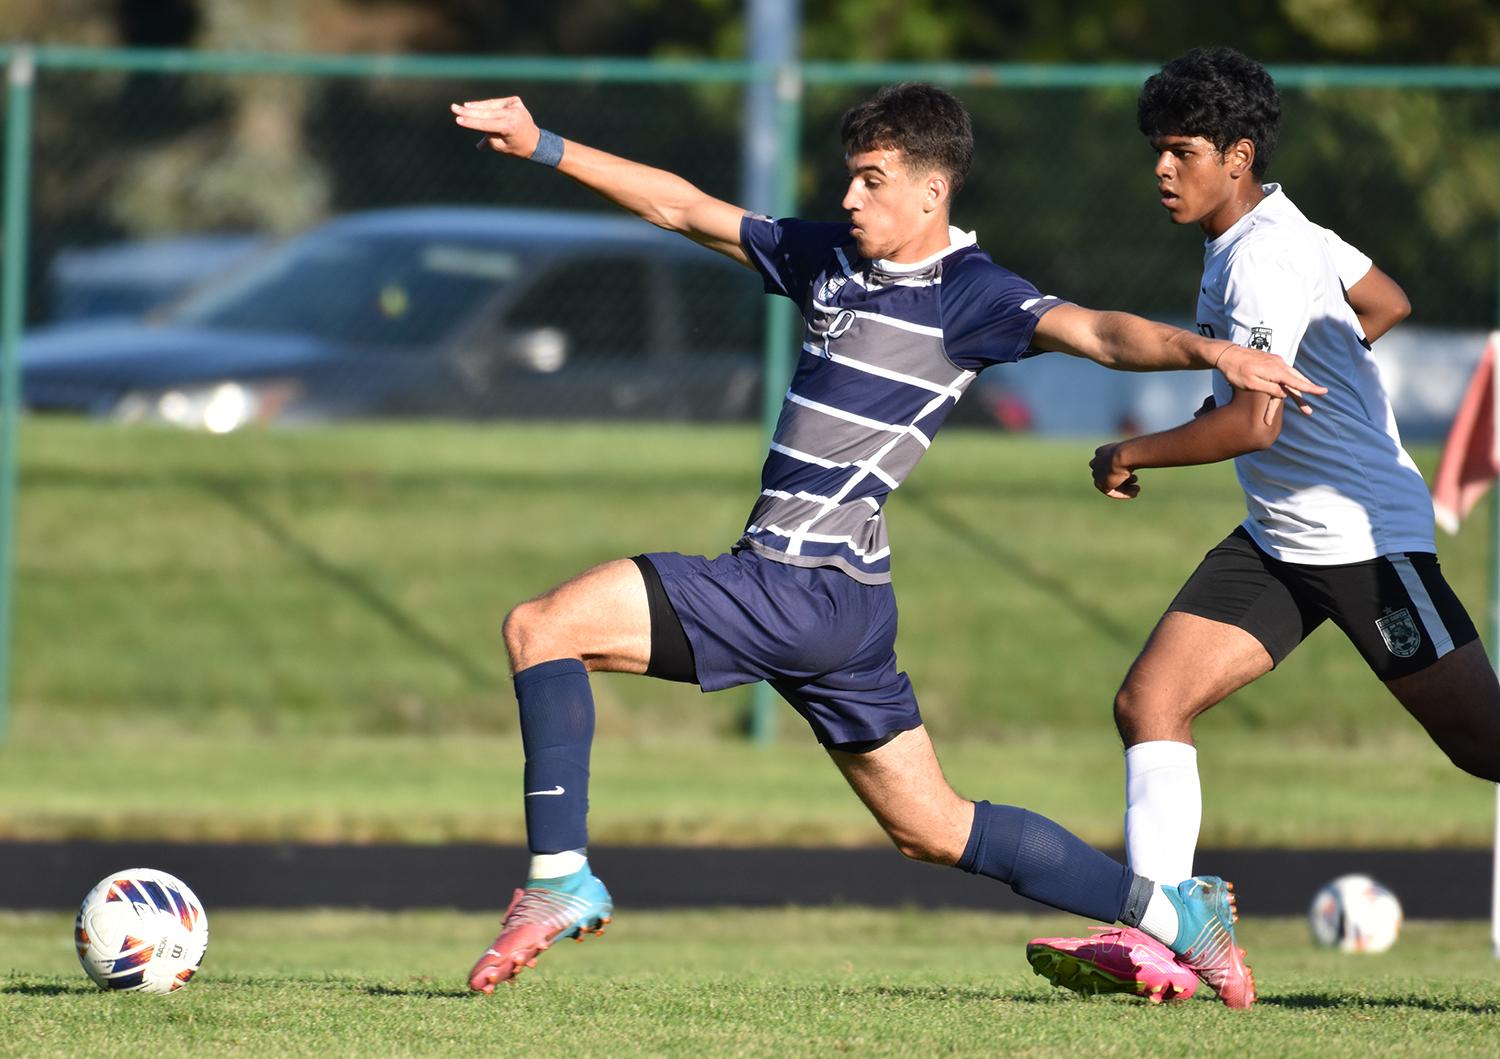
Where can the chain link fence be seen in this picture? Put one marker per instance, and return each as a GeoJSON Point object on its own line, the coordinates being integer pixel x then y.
{"type": "Point", "coordinates": [151, 180]}
{"type": "Point", "coordinates": [220, 241]}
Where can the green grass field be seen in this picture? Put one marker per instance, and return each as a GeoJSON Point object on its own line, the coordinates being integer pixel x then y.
{"type": "Point", "coordinates": [299, 631]}
{"type": "Point", "coordinates": [354, 579]}
{"type": "Point", "coordinates": [772, 983]}
{"type": "Point", "coordinates": [1392, 791]}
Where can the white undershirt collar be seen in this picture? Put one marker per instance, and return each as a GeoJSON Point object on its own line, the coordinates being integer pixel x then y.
{"type": "Point", "coordinates": [957, 240]}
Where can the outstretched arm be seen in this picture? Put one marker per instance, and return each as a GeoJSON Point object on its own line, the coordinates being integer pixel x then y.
{"type": "Point", "coordinates": [1248, 423]}
{"type": "Point", "coordinates": [665, 199]}
{"type": "Point", "coordinates": [1130, 343]}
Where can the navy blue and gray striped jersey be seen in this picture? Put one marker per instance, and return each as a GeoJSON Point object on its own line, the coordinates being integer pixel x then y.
{"type": "Point", "coordinates": [887, 351]}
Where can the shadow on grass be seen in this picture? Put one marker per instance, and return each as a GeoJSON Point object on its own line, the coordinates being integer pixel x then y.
{"type": "Point", "coordinates": [941, 993]}
{"type": "Point", "coordinates": [988, 545]}
{"type": "Point", "coordinates": [44, 989]}
{"type": "Point", "coordinates": [1325, 1002]}
{"type": "Point", "coordinates": [403, 623]}
{"type": "Point", "coordinates": [425, 992]}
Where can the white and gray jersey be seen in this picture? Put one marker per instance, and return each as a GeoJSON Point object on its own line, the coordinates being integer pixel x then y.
{"type": "Point", "coordinates": [887, 352]}
{"type": "Point", "coordinates": [1336, 486]}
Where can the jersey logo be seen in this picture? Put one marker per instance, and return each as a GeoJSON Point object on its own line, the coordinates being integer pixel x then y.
{"type": "Point", "coordinates": [1260, 338]}
{"type": "Point", "coordinates": [831, 286]}
{"type": "Point", "coordinates": [836, 329]}
{"type": "Point", "coordinates": [1400, 633]}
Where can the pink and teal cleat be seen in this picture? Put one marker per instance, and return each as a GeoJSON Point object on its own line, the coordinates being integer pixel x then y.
{"type": "Point", "coordinates": [1114, 960]}
{"type": "Point", "coordinates": [1126, 960]}
{"type": "Point", "coordinates": [547, 909]}
{"type": "Point", "coordinates": [1205, 940]}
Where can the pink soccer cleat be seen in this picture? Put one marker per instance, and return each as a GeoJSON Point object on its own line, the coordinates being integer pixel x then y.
{"type": "Point", "coordinates": [1114, 960]}
{"type": "Point", "coordinates": [544, 911]}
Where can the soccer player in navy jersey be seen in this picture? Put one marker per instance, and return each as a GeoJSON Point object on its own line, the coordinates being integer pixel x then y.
{"type": "Point", "coordinates": [1339, 523]}
{"type": "Point", "coordinates": [901, 311]}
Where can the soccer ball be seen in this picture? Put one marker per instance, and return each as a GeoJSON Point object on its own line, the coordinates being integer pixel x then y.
{"type": "Point", "coordinates": [141, 930]}
{"type": "Point", "coordinates": [1355, 913]}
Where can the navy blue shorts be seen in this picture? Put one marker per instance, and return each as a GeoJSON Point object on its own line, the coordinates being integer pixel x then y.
{"type": "Point", "coordinates": [824, 641]}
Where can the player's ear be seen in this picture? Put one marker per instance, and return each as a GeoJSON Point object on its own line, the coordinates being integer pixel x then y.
{"type": "Point", "coordinates": [937, 192]}
{"type": "Point", "coordinates": [1240, 157]}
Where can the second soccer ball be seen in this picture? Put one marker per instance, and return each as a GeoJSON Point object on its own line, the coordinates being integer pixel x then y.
{"type": "Point", "coordinates": [1355, 913]}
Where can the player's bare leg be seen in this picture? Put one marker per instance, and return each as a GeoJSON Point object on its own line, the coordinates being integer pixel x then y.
{"type": "Point", "coordinates": [599, 617]}
{"type": "Point", "coordinates": [1188, 665]}
{"type": "Point", "coordinates": [1457, 700]}
{"type": "Point", "coordinates": [1191, 927]}
{"type": "Point", "coordinates": [903, 786]}
{"type": "Point", "coordinates": [597, 621]}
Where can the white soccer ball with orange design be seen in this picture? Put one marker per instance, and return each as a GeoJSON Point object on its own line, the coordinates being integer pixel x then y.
{"type": "Point", "coordinates": [141, 930]}
{"type": "Point", "coordinates": [1355, 913]}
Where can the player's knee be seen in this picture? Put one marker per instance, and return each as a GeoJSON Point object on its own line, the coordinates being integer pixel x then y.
{"type": "Point", "coordinates": [1132, 712]}
{"type": "Point", "coordinates": [525, 633]}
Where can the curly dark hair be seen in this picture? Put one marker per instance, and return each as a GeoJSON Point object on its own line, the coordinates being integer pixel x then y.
{"type": "Point", "coordinates": [1217, 93]}
{"type": "Point", "coordinates": [925, 123]}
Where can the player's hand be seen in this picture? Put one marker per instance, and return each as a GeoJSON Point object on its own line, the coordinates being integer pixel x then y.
{"type": "Point", "coordinates": [507, 123]}
{"type": "Point", "coordinates": [1249, 369]}
{"type": "Point", "coordinates": [1110, 478]}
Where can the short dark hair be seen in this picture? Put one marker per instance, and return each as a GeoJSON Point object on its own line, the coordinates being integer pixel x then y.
{"type": "Point", "coordinates": [1217, 93]}
{"type": "Point", "coordinates": [927, 124]}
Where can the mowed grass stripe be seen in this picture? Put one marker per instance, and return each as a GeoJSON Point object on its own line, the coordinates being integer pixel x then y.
{"type": "Point", "coordinates": [354, 579]}
{"type": "Point", "coordinates": [1394, 791]}
{"type": "Point", "coordinates": [790, 982]}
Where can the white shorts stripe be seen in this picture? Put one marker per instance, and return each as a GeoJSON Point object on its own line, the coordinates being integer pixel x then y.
{"type": "Point", "coordinates": [1437, 632]}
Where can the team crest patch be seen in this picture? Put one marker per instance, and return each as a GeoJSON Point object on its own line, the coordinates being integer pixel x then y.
{"type": "Point", "coordinates": [1260, 338]}
{"type": "Point", "coordinates": [831, 286]}
{"type": "Point", "coordinates": [1400, 633]}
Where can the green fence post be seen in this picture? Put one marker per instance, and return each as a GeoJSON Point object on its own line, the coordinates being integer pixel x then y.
{"type": "Point", "coordinates": [778, 362]}
{"type": "Point", "coordinates": [22, 69]}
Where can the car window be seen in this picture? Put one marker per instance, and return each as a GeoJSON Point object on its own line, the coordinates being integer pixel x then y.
{"type": "Point", "coordinates": [380, 291]}
{"type": "Point", "coordinates": [602, 303]}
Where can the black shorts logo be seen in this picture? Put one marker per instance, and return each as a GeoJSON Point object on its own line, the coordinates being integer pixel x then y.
{"type": "Point", "coordinates": [1260, 338]}
{"type": "Point", "coordinates": [1400, 633]}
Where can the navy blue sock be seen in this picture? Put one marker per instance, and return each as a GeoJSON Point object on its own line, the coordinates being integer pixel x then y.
{"type": "Point", "coordinates": [557, 729]}
{"type": "Point", "coordinates": [1045, 862]}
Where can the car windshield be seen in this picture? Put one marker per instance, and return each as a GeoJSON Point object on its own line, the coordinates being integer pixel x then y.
{"type": "Point", "coordinates": [370, 290]}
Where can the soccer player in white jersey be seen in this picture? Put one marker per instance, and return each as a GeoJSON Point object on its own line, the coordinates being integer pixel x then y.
{"type": "Point", "coordinates": [901, 312]}
{"type": "Point", "coordinates": [1339, 523]}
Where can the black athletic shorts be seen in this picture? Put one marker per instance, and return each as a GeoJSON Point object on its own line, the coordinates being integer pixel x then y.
{"type": "Point", "coordinates": [1397, 610]}
{"type": "Point", "coordinates": [671, 653]}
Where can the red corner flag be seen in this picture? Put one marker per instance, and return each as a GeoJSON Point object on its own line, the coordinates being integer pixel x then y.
{"type": "Point", "coordinates": [1471, 457]}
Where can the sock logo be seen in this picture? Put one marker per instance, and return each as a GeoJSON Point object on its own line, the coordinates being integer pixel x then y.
{"type": "Point", "coordinates": [555, 790]}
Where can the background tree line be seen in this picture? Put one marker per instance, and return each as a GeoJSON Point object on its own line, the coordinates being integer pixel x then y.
{"type": "Point", "coordinates": [1061, 192]}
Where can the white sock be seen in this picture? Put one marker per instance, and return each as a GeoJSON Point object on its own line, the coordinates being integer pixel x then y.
{"type": "Point", "coordinates": [1160, 918]}
{"type": "Point", "coordinates": [1163, 809]}
{"type": "Point", "coordinates": [555, 865]}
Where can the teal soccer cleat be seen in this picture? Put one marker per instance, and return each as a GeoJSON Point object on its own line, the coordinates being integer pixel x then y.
{"type": "Point", "coordinates": [571, 906]}
{"type": "Point", "coordinates": [1205, 941]}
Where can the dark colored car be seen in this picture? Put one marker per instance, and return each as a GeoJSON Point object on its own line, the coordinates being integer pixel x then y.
{"type": "Point", "coordinates": [134, 277]}
{"type": "Point", "coordinates": [433, 311]}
